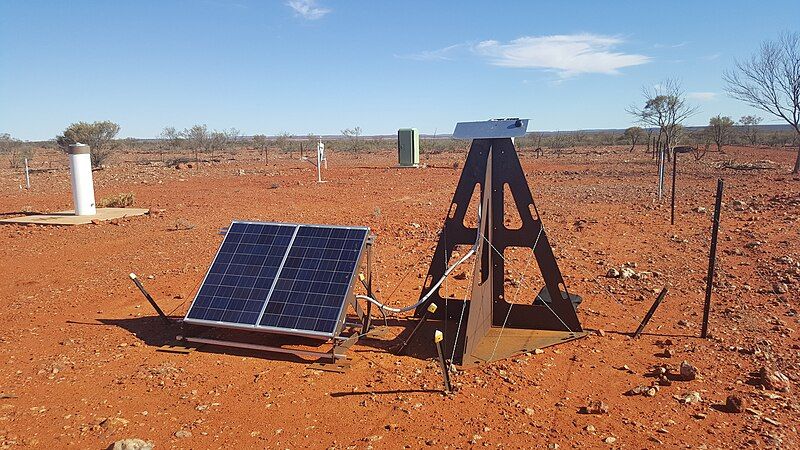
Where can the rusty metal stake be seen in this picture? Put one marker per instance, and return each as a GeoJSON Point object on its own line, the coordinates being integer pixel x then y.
{"type": "Point", "coordinates": [712, 257]}
{"type": "Point", "coordinates": [150, 299]}
{"type": "Point", "coordinates": [438, 337]}
{"type": "Point", "coordinates": [650, 313]}
{"type": "Point", "coordinates": [431, 309]}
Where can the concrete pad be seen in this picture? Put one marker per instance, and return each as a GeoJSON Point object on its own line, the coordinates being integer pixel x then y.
{"type": "Point", "coordinates": [69, 217]}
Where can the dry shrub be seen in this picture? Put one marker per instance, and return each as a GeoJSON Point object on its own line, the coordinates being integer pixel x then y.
{"type": "Point", "coordinates": [123, 200]}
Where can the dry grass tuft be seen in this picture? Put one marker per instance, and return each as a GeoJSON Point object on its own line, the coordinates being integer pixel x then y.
{"type": "Point", "coordinates": [123, 200]}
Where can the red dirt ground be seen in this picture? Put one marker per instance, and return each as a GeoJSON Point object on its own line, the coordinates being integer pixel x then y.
{"type": "Point", "coordinates": [79, 343]}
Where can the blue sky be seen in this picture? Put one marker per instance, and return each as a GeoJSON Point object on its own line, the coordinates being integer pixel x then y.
{"type": "Point", "coordinates": [320, 66]}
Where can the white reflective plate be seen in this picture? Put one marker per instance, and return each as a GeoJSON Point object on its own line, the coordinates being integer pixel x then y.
{"type": "Point", "coordinates": [489, 129]}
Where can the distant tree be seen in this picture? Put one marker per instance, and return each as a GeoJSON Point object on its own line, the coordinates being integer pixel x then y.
{"type": "Point", "coordinates": [720, 128]}
{"type": "Point", "coordinates": [232, 136]}
{"type": "Point", "coordinates": [632, 135]}
{"type": "Point", "coordinates": [353, 137]}
{"type": "Point", "coordinates": [15, 150]}
{"type": "Point", "coordinates": [171, 140]}
{"type": "Point", "coordinates": [99, 136]}
{"type": "Point", "coordinates": [198, 138]}
{"type": "Point", "coordinates": [665, 107]}
{"type": "Point", "coordinates": [284, 141]}
{"type": "Point", "coordinates": [261, 143]}
{"type": "Point", "coordinates": [770, 81]}
{"type": "Point", "coordinates": [217, 142]}
{"type": "Point", "coordinates": [750, 124]}
{"type": "Point", "coordinates": [701, 141]}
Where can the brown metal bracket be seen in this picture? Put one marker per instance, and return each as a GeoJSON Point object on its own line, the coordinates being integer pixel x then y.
{"type": "Point", "coordinates": [493, 165]}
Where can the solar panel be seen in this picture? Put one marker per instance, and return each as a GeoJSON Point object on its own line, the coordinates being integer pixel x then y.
{"type": "Point", "coordinates": [280, 277]}
{"type": "Point", "coordinates": [499, 128]}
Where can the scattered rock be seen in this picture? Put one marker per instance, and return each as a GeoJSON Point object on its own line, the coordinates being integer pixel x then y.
{"type": "Point", "coordinates": [180, 434]}
{"type": "Point", "coordinates": [771, 421]}
{"type": "Point", "coordinates": [627, 272]}
{"type": "Point", "coordinates": [773, 380]}
{"type": "Point", "coordinates": [647, 391]}
{"type": "Point", "coordinates": [734, 404]}
{"type": "Point", "coordinates": [688, 372]}
{"type": "Point", "coordinates": [133, 444]}
{"type": "Point", "coordinates": [700, 209]}
{"type": "Point", "coordinates": [739, 205]}
{"type": "Point", "coordinates": [612, 273]}
{"type": "Point", "coordinates": [113, 422]}
{"type": "Point", "coordinates": [692, 397]}
{"type": "Point", "coordinates": [780, 288]}
{"type": "Point", "coordinates": [610, 440]}
{"type": "Point", "coordinates": [600, 333]}
{"type": "Point", "coordinates": [595, 407]}
{"type": "Point", "coordinates": [530, 411]}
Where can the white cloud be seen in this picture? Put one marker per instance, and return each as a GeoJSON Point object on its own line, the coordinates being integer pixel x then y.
{"type": "Point", "coordinates": [443, 54]}
{"type": "Point", "coordinates": [307, 9]}
{"type": "Point", "coordinates": [701, 96]}
{"type": "Point", "coordinates": [567, 55]}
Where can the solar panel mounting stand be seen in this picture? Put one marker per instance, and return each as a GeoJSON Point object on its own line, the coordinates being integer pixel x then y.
{"type": "Point", "coordinates": [494, 328]}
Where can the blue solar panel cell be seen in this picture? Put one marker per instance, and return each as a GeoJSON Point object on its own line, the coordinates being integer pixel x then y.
{"type": "Point", "coordinates": [315, 279]}
{"type": "Point", "coordinates": [239, 280]}
{"type": "Point", "coordinates": [280, 277]}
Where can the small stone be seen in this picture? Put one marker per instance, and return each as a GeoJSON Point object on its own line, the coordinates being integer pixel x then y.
{"type": "Point", "coordinates": [600, 333]}
{"type": "Point", "coordinates": [774, 381]}
{"type": "Point", "coordinates": [133, 444]}
{"type": "Point", "coordinates": [612, 273]}
{"type": "Point", "coordinates": [610, 440]}
{"type": "Point", "coordinates": [780, 288]}
{"type": "Point", "coordinates": [688, 372]}
{"type": "Point", "coordinates": [626, 273]}
{"type": "Point", "coordinates": [700, 209]}
{"type": "Point", "coordinates": [180, 434]}
{"type": "Point", "coordinates": [700, 416]}
{"type": "Point", "coordinates": [771, 421]}
{"type": "Point", "coordinates": [538, 351]}
{"type": "Point", "coordinates": [590, 428]}
{"type": "Point", "coordinates": [734, 404]}
{"type": "Point", "coordinates": [595, 407]}
{"type": "Point", "coordinates": [114, 422]}
{"type": "Point", "coordinates": [692, 397]}
{"type": "Point", "coordinates": [530, 411]}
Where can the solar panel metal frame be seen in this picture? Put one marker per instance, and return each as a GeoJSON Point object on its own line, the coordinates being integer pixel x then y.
{"type": "Point", "coordinates": [349, 297]}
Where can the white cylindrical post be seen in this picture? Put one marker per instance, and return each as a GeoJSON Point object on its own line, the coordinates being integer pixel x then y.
{"type": "Point", "coordinates": [80, 169]}
{"type": "Point", "coordinates": [27, 175]}
{"type": "Point", "coordinates": [319, 163]}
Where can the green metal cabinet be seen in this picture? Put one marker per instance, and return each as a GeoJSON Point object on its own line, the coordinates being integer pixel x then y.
{"type": "Point", "coordinates": [408, 147]}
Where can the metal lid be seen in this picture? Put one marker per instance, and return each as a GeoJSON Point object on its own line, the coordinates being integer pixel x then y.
{"type": "Point", "coordinates": [78, 149]}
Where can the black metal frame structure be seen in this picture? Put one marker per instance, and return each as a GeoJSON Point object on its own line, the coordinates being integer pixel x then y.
{"type": "Point", "coordinates": [493, 165]}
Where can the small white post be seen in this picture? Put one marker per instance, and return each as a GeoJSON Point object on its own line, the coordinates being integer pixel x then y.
{"type": "Point", "coordinates": [27, 175]}
{"type": "Point", "coordinates": [320, 158]}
